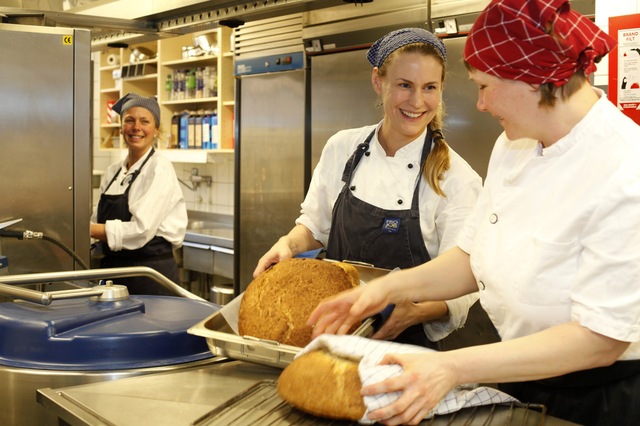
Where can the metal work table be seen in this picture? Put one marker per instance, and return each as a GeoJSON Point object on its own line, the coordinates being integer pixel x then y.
{"type": "Point", "coordinates": [158, 399]}
{"type": "Point", "coordinates": [225, 393]}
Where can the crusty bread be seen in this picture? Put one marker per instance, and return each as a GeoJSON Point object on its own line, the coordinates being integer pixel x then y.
{"type": "Point", "coordinates": [278, 303]}
{"type": "Point", "coordinates": [324, 385]}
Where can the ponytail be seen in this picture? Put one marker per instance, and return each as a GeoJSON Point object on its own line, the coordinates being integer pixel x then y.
{"type": "Point", "coordinates": [438, 161]}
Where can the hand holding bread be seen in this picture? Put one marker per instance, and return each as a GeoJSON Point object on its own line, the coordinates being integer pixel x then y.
{"type": "Point", "coordinates": [337, 314]}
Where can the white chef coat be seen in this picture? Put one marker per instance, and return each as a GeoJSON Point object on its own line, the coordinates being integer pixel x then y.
{"type": "Point", "coordinates": [555, 236]}
{"type": "Point", "coordinates": [156, 204]}
{"type": "Point", "coordinates": [382, 181]}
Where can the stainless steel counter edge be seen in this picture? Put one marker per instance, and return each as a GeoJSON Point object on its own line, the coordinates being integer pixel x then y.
{"type": "Point", "coordinates": [171, 398]}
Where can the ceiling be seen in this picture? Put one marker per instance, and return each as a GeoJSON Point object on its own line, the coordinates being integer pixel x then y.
{"type": "Point", "coordinates": [127, 21]}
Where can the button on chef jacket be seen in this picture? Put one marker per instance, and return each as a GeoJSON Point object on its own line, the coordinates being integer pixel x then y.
{"type": "Point", "coordinates": [384, 181]}
{"type": "Point", "coordinates": [555, 236]}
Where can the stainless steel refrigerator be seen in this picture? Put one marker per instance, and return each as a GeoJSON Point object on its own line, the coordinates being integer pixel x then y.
{"type": "Point", "coordinates": [271, 157]}
{"type": "Point", "coordinates": [45, 155]}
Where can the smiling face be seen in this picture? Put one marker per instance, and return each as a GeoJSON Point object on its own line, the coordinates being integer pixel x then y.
{"type": "Point", "coordinates": [139, 130]}
{"type": "Point", "coordinates": [514, 103]}
{"type": "Point", "coordinates": [410, 85]}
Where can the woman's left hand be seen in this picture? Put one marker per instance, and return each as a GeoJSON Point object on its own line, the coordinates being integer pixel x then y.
{"type": "Point", "coordinates": [403, 316]}
{"type": "Point", "coordinates": [425, 381]}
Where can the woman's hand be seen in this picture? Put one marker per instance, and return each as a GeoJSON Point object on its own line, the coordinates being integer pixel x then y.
{"type": "Point", "coordinates": [298, 240]}
{"type": "Point", "coordinates": [280, 251]}
{"type": "Point", "coordinates": [336, 315]}
{"type": "Point", "coordinates": [406, 314]}
{"type": "Point", "coordinates": [425, 381]}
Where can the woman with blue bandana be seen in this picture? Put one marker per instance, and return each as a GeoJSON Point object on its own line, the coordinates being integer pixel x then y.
{"type": "Point", "coordinates": [392, 194]}
{"type": "Point", "coordinates": [141, 216]}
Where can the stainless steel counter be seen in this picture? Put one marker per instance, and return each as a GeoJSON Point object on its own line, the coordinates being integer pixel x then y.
{"type": "Point", "coordinates": [160, 399]}
{"type": "Point", "coordinates": [208, 244]}
{"type": "Point", "coordinates": [224, 394]}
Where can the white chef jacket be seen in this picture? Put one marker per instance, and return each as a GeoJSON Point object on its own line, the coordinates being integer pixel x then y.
{"type": "Point", "coordinates": [555, 236]}
{"type": "Point", "coordinates": [156, 204]}
{"type": "Point", "coordinates": [382, 181]}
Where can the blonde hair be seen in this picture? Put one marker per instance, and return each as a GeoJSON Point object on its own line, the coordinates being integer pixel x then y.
{"type": "Point", "coordinates": [438, 161]}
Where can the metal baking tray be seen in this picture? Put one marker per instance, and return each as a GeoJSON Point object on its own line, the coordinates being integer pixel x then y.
{"type": "Point", "coordinates": [221, 331]}
{"type": "Point", "coordinates": [261, 405]}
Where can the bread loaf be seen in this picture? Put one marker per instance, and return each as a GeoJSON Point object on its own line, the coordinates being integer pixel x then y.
{"type": "Point", "coordinates": [324, 385]}
{"type": "Point", "coordinates": [278, 303]}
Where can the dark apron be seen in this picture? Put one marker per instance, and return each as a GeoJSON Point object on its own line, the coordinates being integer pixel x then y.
{"type": "Point", "coordinates": [606, 396]}
{"type": "Point", "coordinates": [156, 254]}
{"type": "Point", "coordinates": [388, 239]}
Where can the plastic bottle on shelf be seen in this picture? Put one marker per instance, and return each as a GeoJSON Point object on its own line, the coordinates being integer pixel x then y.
{"type": "Point", "coordinates": [180, 87]}
{"type": "Point", "coordinates": [183, 135]}
{"type": "Point", "coordinates": [192, 129]}
{"type": "Point", "coordinates": [175, 130]}
{"type": "Point", "coordinates": [215, 140]}
{"type": "Point", "coordinates": [199, 83]}
{"type": "Point", "coordinates": [198, 129]}
{"type": "Point", "coordinates": [206, 129]}
{"type": "Point", "coordinates": [210, 77]}
{"type": "Point", "coordinates": [191, 84]}
{"type": "Point", "coordinates": [169, 87]}
{"type": "Point", "coordinates": [213, 76]}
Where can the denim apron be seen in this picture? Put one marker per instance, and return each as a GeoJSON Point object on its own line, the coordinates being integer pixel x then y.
{"type": "Point", "coordinates": [388, 239]}
{"type": "Point", "coordinates": [156, 254]}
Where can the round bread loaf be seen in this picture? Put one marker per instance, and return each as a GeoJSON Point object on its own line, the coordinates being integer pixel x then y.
{"type": "Point", "coordinates": [278, 303]}
{"type": "Point", "coordinates": [324, 385]}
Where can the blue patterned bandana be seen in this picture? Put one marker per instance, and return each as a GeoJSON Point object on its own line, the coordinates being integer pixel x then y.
{"type": "Point", "coordinates": [385, 46]}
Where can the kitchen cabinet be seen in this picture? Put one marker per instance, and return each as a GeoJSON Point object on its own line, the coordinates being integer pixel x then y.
{"type": "Point", "coordinates": [118, 75]}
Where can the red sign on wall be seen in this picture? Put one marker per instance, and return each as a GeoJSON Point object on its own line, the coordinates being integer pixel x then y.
{"type": "Point", "coordinates": [624, 65]}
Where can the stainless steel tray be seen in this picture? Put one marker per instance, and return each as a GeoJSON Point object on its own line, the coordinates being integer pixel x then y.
{"type": "Point", "coordinates": [221, 331]}
{"type": "Point", "coordinates": [223, 340]}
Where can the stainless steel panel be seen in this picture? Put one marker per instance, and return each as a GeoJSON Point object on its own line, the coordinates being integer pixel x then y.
{"type": "Point", "coordinates": [177, 398]}
{"type": "Point", "coordinates": [197, 259]}
{"type": "Point", "coordinates": [18, 392]}
{"type": "Point", "coordinates": [223, 264]}
{"type": "Point", "coordinates": [342, 96]}
{"type": "Point", "coordinates": [469, 132]}
{"type": "Point", "coordinates": [44, 140]}
{"type": "Point", "coordinates": [270, 161]}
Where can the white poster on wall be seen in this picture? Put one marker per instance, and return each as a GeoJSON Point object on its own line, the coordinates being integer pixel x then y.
{"type": "Point", "coordinates": [629, 68]}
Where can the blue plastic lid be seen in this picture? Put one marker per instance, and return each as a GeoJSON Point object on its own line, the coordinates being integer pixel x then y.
{"type": "Point", "coordinates": [81, 334]}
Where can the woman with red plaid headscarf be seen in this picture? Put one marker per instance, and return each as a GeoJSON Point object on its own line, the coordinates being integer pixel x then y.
{"type": "Point", "coordinates": [553, 243]}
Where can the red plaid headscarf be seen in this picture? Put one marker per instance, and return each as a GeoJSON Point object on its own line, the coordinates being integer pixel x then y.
{"type": "Point", "coordinates": [509, 40]}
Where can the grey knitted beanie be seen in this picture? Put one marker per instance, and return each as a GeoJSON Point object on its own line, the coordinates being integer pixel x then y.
{"type": "Point", "coordinates": [131, 100]}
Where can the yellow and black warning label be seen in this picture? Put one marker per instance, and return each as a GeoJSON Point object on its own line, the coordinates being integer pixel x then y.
{"type": "Point", "coordinates": [67, 40]}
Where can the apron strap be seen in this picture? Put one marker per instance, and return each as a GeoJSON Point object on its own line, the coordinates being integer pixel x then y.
{"type": "Point", "coordinates": [355, 158]}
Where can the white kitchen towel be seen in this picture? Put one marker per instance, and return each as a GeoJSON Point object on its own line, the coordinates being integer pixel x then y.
{"type": "Point", "coordinates": [370, 352]}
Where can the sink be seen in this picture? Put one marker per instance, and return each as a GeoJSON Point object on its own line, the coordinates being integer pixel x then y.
{"type": "Point", "coordinates": [208, 244]}
{"type": "Point", "coordinates": [210, 228]}
{"type": "Point", "coordinates": [196, 225]}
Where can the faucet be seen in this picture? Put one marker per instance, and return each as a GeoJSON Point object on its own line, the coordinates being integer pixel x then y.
{"type": "Point", "coordinates": [196, 179]}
